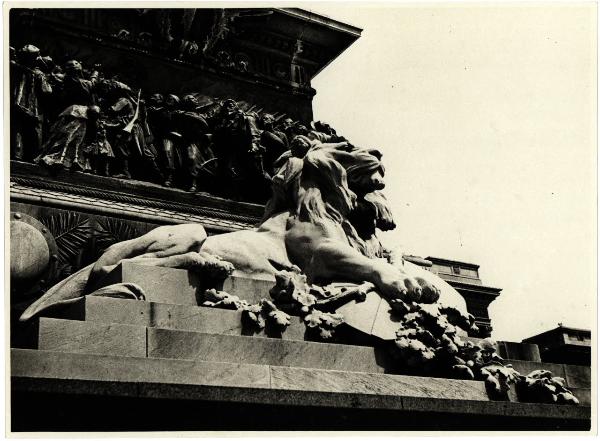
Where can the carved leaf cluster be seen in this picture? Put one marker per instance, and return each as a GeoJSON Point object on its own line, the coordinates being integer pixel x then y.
{"type": "Point", "coordinates": [428, 340]}
{"type": "Point", "coordinates": [291, 291]}
{"type": "Point", "coordinates": [324, 322]}
{"type": "Point", "coordinates": [541, 387]}
{"type": "Point", "coordinates": [222, 299]}
{"type": "Point", "coordinates": [315, 304]}
{"type": "Point", "coordinates": [259, 314]}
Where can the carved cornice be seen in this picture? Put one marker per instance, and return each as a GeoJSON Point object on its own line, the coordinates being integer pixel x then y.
{"type": "Point", "coordinates": [476, 289]}
{"type": "Point", "coordinates": [132, 199]}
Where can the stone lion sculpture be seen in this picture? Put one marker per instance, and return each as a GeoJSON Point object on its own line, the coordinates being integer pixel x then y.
{"type": "Point", "coordinates": [318, 190]}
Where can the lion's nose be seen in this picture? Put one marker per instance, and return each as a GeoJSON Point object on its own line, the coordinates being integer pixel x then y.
{"type": "Point", "coordinates": [378, 184]}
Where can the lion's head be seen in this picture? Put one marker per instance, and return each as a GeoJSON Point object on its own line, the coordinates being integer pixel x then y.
{"type": "Point", "coordinates": [336, 182]}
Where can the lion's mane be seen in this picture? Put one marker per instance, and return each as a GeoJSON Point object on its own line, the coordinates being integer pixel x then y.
{"type": "Point", "coordinates": [317, 188]}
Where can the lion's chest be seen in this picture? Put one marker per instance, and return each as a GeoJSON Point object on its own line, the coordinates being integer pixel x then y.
{"type": "Point", "coordinates": [303, 238]}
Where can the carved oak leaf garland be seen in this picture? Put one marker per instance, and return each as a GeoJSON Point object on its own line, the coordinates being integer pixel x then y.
{"type": "Point", "coordinates": [315, 304]}
{"type": "Point", "coordinates": [541, 386]}
{"type": "Point", "coordinates": [292, 294]}
{"type": "Point", "coordinates": [291, 291]}
{"type": "Point", "coordinates": [428, 339]}
{"type": "Point", "coordinates": [279, 318]}
{"type": "Point", "coordinates": [253, 314]}
{"type": "Point", "coordinates": [258, 313]}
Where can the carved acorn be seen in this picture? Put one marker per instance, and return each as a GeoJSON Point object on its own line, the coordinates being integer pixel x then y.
{"type": "Point", "coordinates": [463, 371]}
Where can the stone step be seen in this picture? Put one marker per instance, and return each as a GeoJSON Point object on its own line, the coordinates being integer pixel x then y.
{"type": "Point", "coordinates": [170, 316]}
{"type": "Point", "coordinates": [91, 338]}
{"type": "Point", "coordinates": [165, 343]}
{"type": "Point", "coordinates": [183, 287]}
{"type": "Point", "coordinates": [401, 398]}
{"type": "Point", "coordinates": [584, 395]}
{"type": "Point", "coordinates": [220, 321]}
{"type": "Point", "coordinates": [139, 341]}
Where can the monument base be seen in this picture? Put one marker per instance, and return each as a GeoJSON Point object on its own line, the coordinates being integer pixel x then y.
{"type": "Point", "coordinates": [54, 391]}
{"type": "Point", "coordinates": [111, 364]}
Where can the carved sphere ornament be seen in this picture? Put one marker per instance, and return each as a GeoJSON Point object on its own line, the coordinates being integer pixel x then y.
{"type": "Point", "coordinates": [31, 249]}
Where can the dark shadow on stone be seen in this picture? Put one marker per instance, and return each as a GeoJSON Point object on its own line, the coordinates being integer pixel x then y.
{"type": "Point", "coordinates": [23, 334]}
{"type": "Point", "coordinates": [273, 331]}
{"type": "Point", "coordinates": [35, 411]}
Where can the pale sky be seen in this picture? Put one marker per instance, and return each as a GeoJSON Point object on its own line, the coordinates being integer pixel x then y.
{"type": "Point", "coordinates": [486, 117]}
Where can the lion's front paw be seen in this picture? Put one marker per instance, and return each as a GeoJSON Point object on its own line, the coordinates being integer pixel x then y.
{"type": "Point", "coordinates": [429, 293]}
{"type": "Point", "coordinates": [408, 289]}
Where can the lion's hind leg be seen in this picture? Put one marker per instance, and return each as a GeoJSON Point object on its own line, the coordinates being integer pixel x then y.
{"type": "Point", "coordinates": [161, 242]}
{"type": "Point", "coordinates": [191, 260]}
{"type": "Point", "coordinates": [171, 240]}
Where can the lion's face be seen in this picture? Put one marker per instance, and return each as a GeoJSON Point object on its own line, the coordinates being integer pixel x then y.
{"type": "Point", "coordinates": [364, 171]}
{"type": "Point", "coordinates": [365, 178]}
{"type": "Point", "coordinates": [331, 181]}
{"type": "Point", "coordinates": [366, 182]}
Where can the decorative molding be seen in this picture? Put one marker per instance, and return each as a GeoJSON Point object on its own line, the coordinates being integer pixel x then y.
{"type": "Point", "coordinates": [28, 181]}
{"type": "Point", "coordinates": [139, 212]}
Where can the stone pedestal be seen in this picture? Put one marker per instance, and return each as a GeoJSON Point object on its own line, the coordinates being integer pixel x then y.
{"type": "Point", "coordinates": [164, 361]}
{"type": "Point", "coordinates": [230, 396]}
{"type": "Point", "coordinates": [182, 287]}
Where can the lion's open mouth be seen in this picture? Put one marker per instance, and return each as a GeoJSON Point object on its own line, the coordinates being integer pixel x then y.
{"type": "Point", "coordinates": [366, 186]}
{"type": "Point", "coordinates": [380, 185]}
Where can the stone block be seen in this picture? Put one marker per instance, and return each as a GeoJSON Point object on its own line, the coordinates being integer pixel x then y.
{"type": "Point", "coordinates": [376, 384]}
{"type": "Point", "coordinates": [584, 395]}
{"type": "Point", "coordinates": [403, 399]}
{"type": "Point", "coordinates": [216, 321]}
{"type": "Point", "coordinates": [578, 376]}
{"type": "Point", "coordinates": [182, 317]}
{"type": "Point", "coordinates": [166, 343]}
{"type": "Point", "coordinates": [473, 408]}
{"type": "Point", "coordinates": [91, 338]}
{"type": "Point", "coordinates": [162, 285]}
{"type": "Point", "coordinates": [251, 289]}
{"type": "Point", "coordinates": [50, 364]}
{"type": "Point", "coordinates": [183, 287]}
{"type": "Point", "coordinates": [109, 310]}
{"type": "Point", "coordinates": [551, 411]}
